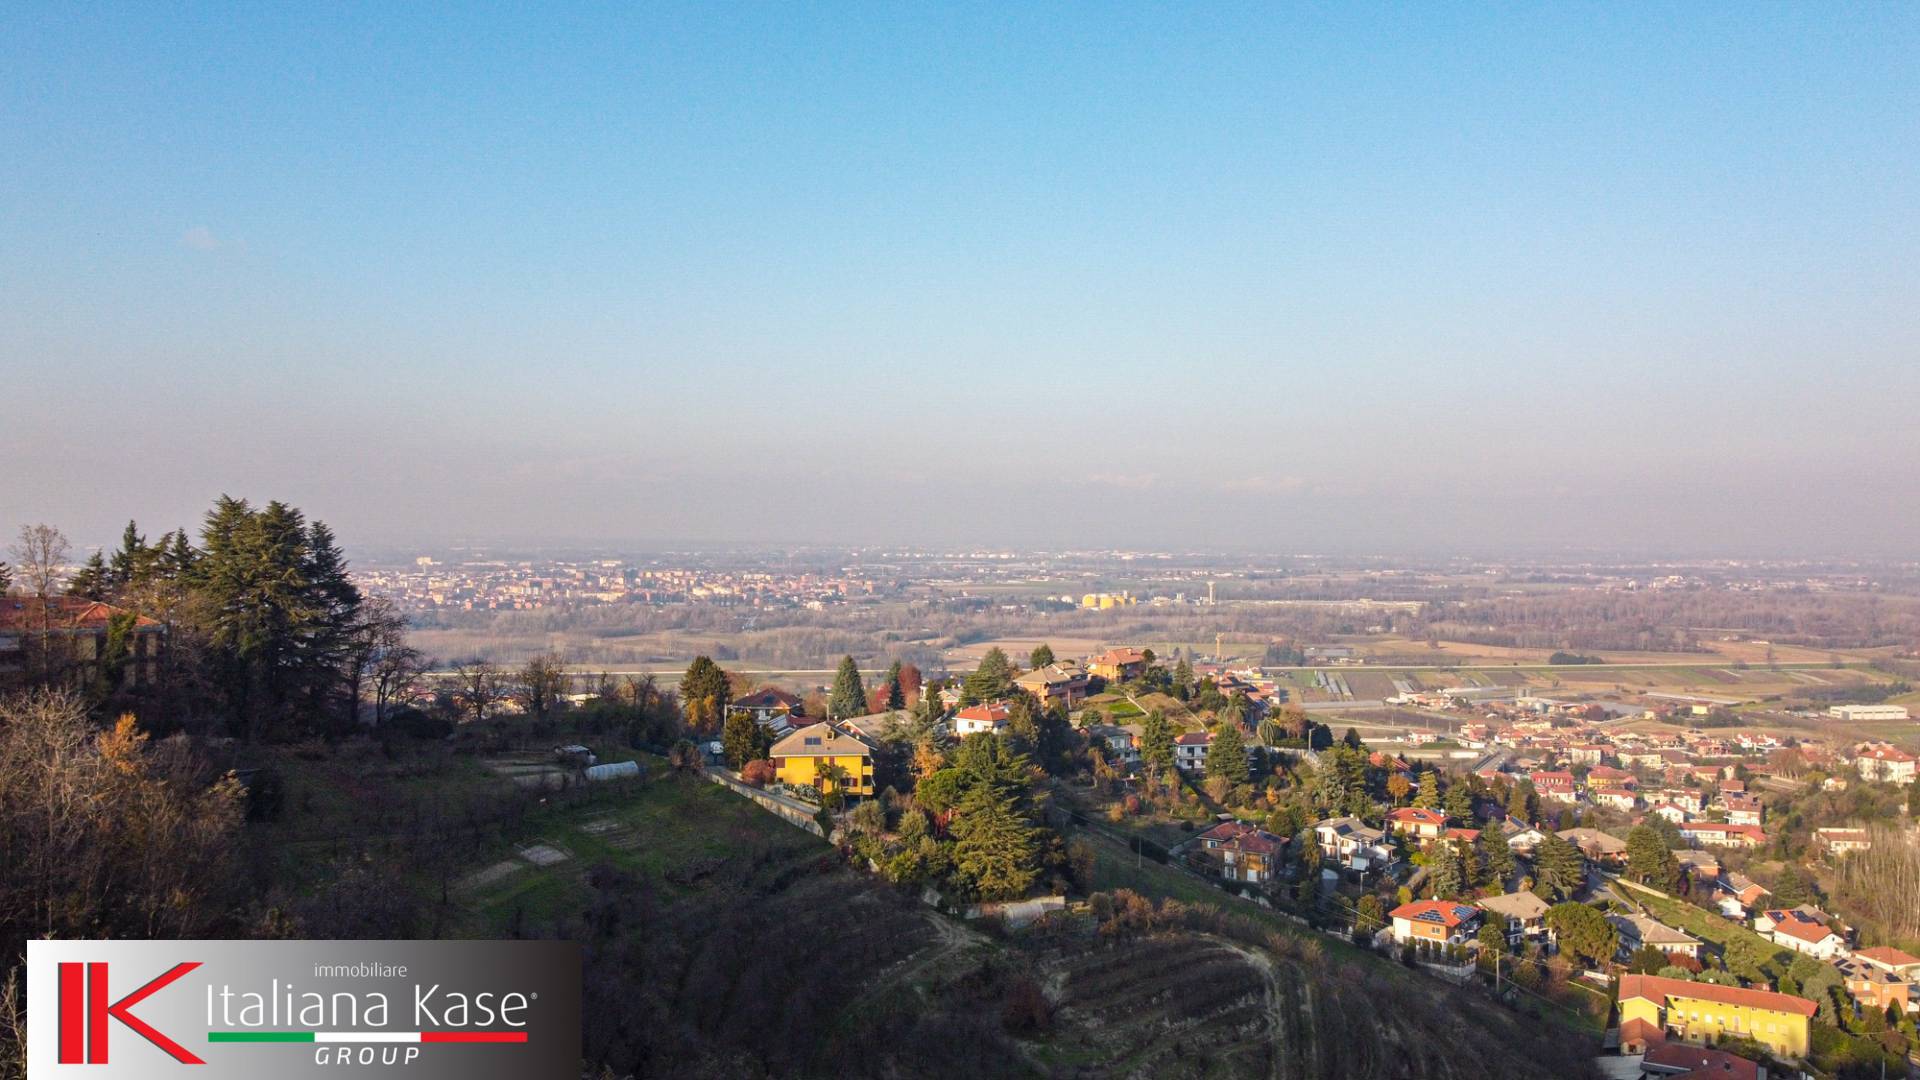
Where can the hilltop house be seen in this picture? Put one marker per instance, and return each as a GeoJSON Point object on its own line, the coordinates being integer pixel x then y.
{"type": "Point", "coordinates": [1190, 750]}
{"type": "Point", "coordinates": [1889, 764]}
{"type": "Point", "coordinates": [80, 637]}
{"type": "Point", "coordinates": [1842, 841]}
{"type": "Point", "coordinates": [1064, 683]}
{"type": "Point", "coordinates": [1722, 835]}
{"type": "Point", "coordinates": [1652, 1006]}
{"type": "Point", "coordinates": [1118, 665]}
{"type": "Point", "coordinates": [989, 717]}
{"type": "Point", "coordinates": [1238, 851]}
{"type": "Point", "coordinates": [810, 756]}
{"type": "Point", "coordinates": [1803, 929]}
{"type": "Point", "coordinates": [1442, 922]}
{"type": "Point", "coordinates": [771, 707]}
{"type": "Point", "coordinates": [1872, 985]}
{"type": "Point", "coordinates": [1738, 896]}
{"type": "Point", "coordinates": [1638, 931]}
{"type": "Point", "coordinates": [1553, 785]}
{"type": "Point", "coordinates": [1347, 843]}
{"type": "Point", "coordinates": [1524, 915]}
{"type": "Point", "coordinates": [1602, 848]}
{"type": "Point", "coordinates": [1417, 822]}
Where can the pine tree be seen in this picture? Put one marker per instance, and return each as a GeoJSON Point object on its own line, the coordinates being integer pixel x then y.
{"type": "Point", "coordinates": [1227, 754]}
{"type": "Point", "coordinates": [1156, 744]}
{"type": "Point", "coordinates": [6, 577]}
{"type": "Point", "coordinates": [1497, 854]}
{"type": "Point", "coordinates": [92, 581]}
{"type": "Point", "coordinates": [1040, 657]}
{"type": "Point", "coordinates": [1444, 879]}
{"type": "Point", "coordinates": [991, 681]}
{"type": "Point", "coordinates": [705, 694]}
{"type": "Point", "coordinates": [896, 694]}
{"type": "Point", "coordinates": [1559, 869]}
{"type": "Point", "coordinates": [1459, 804]}
{"type": "Point", "coordinates": [740, 740]}
{"type": "Point", "coordinates": [1183, 679]}
{"type": "Point", "coordinates": [995, 848]}
{"type": "Point", "coordinates": [849, 696]}
{"type": "Point", "coordinates": [1429, 796]}
{"type": "Point", "coordinates": [134, 561]}
{"type": "Point", "coordinates": [1649, 860]}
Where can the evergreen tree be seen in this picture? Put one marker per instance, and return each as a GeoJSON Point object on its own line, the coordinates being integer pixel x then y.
{"type": "Point", "coordinates": [849, 696]}
{"type": "Point", "coordinates": [92, 581]}
{"type": "Point", "coordinates": [1183, 679]}
{"type": "Point", "coordinates": [1429, 796]}
{"type": "Point", "coordinates": [1352, 739]}
{"type": "Point", "coordinates": [1584, 931]}
{"type": "Point", "coordinates": [135, 560]}
{"type": "Point", "coordinates": [1459, 804]}
{"type": "Point", "coordinates": [1156, 744]}
{"type": "Point", "coordinates": [1649, 860]}
{"type": "Point", "coordinates": [896, 693]}
{"type": "Point", "coordinates": [1040, 657]}
{"type": "Point", "coordinates": [705, 694]}
{"type": "Point", "coordinates": [995, 848]}
{"type": "Point", "coordinates": [1227, 754]}
{"type": "Point", "coordinates": [1023, 728]}
{"type": "Point", "coordinates": [6, 577]}
{"type": "Point", "coordinates": [1522, 803]}
{"type": "Point", "coordinates": [1559, 869]}
{"type": "Point", "coordinates": [1444, 879]}
{"type": "Point", "coordinates": [742, 740]}
{"type": "Point", "coordinates": [1497, 854]}
{"type": "Point", "coordinates": [991, 681]}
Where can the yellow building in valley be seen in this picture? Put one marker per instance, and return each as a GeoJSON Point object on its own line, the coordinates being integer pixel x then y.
{"type": "Point", "coordinates": [1651, 1006]}
{"type": "Point", "coordinates": [803, 757]}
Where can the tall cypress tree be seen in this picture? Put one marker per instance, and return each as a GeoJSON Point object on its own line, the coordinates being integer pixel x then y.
{"type": "Point", "coordinates": [849, 696]}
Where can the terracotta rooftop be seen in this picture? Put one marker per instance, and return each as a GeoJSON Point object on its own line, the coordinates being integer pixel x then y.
{"type": "Point", "coordinates": [1655, 988]}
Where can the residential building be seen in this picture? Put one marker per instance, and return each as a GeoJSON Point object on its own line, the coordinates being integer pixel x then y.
{"type": "Point", "coordinates": [770, 706]}
{"type": "Point", "coordinates": [1063, 683]}
{"type": "Point", "coordinates": [1842, 841]}
{"type": "Point", "coordinates": [1739, 897]}
{"type": "Point", "coordinates": [1892, 960]}
{"type": "Point", "coordinates": [1888, 764]}
{"type": "Point", "coordinates": [1190, 750]}
{"type": "Point", "coordinates": [1650, 1004]}
{"type": "Point", "coordinates": [989, 717]}
{"type": "Point", "coordinates": [1417, 822]}
{"type": "Point", "coordinates": [808, 756]}
{"type": "Point", "coordinates": [72, 638]}
{"type": "Point", "coordinates": [1118, 665]}
{"type": "Point", "coordinates": [1238, 851]}
{"type": "Point", "coordinates": [1802, 929]}
{"type": "Point", "coordinates": [1523, 914]}
{"type": "Point", "coordinates": [1351, 844]}
{"type": "Point", "coordinates": [1639, 931]}
{"type": "Point", "coordinates": [1717, 834]}
{"type": "Point", "coordinates": [1874, 986]}
{"type": "Point", "coordinates": [1439, 921]}
{"type": "Point", "coordinates": [1622, 799]}
{"type": "Point", "coordinates": [1602, 848]}
{"type": "Point", "coordinates": [1553, 785]}
{"type": "Point", "coordinates": [1665, 1059]}
{"type": "Point", "coordinates": [1742, 809]}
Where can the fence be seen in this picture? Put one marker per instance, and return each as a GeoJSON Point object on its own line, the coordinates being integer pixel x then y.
{"type": "Point", "coordinates": [792, 813]}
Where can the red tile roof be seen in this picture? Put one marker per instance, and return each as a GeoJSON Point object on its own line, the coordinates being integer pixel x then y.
{"type": "Point", "coordinates": [1245, 837]}
{"type": "Point", "coordinates": [1887, 956]}
{"type": "Point", "coordinates": [1655, 988]}
{"type": "Point", "coordinates": [1417, 815]}
{"type": "Point", "coordinates": [62, 613]}
{"type": "Point", "coordinates": [992, 712]}
{"type": "Point", "coordinates": [1799, 924]}
{"type": "Point", "coordinates": [1700, 1062]}
{"type": "Point", "coordinates": [1445, 912]}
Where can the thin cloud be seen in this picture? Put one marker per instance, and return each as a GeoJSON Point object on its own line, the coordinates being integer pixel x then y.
{"type": "Point", "coordinates": [200, 238]}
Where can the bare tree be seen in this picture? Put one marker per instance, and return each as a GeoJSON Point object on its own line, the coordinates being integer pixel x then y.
{"type": "Point", "coordinates": [476, 688]}
{"type": "Point", "coordinates": [41, 555]}
{"type": "Point", "coordinates": [381, 661]}
{"type": "Point", "coordinates": [540, 685]}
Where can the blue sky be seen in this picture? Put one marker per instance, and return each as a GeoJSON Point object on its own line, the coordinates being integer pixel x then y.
{"type": "Point", "coordinates": [1366, 278]}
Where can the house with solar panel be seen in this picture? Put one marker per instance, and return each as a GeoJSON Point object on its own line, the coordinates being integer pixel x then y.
{"type": "Point", "coordinates": [1441, 922]}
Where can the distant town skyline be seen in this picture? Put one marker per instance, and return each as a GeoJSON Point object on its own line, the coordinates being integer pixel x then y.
{"type": "Point", "coordinates": [1635, 278]}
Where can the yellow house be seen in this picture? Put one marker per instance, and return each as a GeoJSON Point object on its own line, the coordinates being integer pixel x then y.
{"type": "Point", "coordinates": [1650, 1005]}
{"type": "Point", "coordinates": [801, 759]}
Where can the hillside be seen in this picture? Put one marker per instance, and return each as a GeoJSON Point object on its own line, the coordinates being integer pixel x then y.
{"type": "Point", "coordinates": [722, 942]}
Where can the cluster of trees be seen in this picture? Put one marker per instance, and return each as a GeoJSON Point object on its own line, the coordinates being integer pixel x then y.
{"type": "Point", "coordinates": [267, 635]}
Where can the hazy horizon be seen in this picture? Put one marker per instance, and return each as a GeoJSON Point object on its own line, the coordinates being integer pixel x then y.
{"type": "Point", "coordinates": [1633, 278]}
